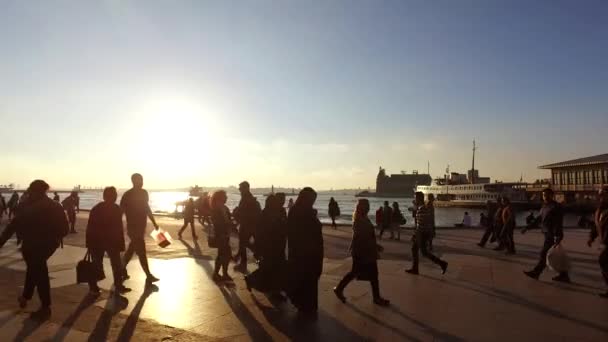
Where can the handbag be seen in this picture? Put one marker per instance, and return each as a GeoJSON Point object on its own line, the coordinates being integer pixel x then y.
{"type": "Point", "coordinates": [87, 271]}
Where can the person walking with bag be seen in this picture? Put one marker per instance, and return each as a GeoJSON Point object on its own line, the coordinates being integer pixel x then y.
{"type": "Point", "coordinates": [422, 235]}
{"type": "Point", "coordinates": [551, 222]}
{"type": "Point", "coordinates": [105, 235]}
{"type": "Point", "coordinates": [41, 225]}
{"type": "Point", "coordinates": [364, 251]}
{"type": "Point", "coordinates": [134, 203]}
{"type": "Point", "coordinates": [600, 229]}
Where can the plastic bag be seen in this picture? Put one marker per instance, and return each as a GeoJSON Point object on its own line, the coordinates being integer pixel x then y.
{"type": "Point", "coordinates": [161, 237]}
{"type": "Point", "coordinates": [557, 259]}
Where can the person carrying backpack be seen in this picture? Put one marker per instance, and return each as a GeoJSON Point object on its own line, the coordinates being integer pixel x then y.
{"type": "Point", "coordinates": [41, 225]}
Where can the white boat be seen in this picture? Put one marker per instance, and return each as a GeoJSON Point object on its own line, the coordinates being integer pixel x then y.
{"type": "Point", "coordinates": [475, 195]}
{"type": "Point", "coordinates": [6, 188]}
{"type": "Point", "coordinates": [473, 191]}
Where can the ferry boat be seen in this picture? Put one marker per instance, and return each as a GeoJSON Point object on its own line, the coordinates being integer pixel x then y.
{"type": "Point", "coordinates": [472, 191]}
{"type": "Point", "coordinates": [6, 188]}
{"type": "Point", "coordinates": [196, 191]}
{"type": "Point", "coordinates": [476, 195]}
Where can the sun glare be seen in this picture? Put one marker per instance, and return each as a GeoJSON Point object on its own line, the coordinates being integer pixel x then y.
{"type": "Point", "coordinates": [173, 131]}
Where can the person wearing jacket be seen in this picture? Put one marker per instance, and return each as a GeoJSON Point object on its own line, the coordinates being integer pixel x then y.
{"type": "Point", "coordinates": [247, 214]}
{"type": "Point", "coordinates": [422, 235]}
{"type": "Point", "coordinates": [498, 225]}
{"type": "Point", "coordinates": [600, 229]}
{"type": "Point", "coordinates": [41, 225]}
{"type": "Point", "coordinates": [397, 220]}
{"type": "Point", "coordinates": [387, 216]}
{"type": "Point", "coordinates": [551, 222]}
{"type": "Point", "coordinates": [188, 219]}
{"type": "Point", "coordinates": [305, 253]}
{"type": "Point", "coordinates": [271, 241]}
{"type": "Point", "coordinates": [71, 204]}
{"type": "Point", "coordinates": [508, 219]}
{"type": "Point", "coordinates": [222, 226]}
{"type": "Point", "coordinates": [333, 211]}
{"type": "Point", "coordinates": [105, 235]}
{"type": "Point", "coordinates": [364, 251]}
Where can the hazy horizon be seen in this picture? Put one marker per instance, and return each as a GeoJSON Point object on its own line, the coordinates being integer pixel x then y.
{"type": "Point", "coordinates": [309, 93]}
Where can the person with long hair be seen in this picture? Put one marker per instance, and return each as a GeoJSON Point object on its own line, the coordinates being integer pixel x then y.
{"type": "Point", "coordinates": [364, 251]}
{"type": "Point", "coordinates": [41, 225]}
{"type": "Point", "coordinates": [222, 226]}
{"type": "Point", "coordinates": [305, 253]}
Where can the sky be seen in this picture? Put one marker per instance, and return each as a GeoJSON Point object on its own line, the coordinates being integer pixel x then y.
{"type": "Point", "coordinates": [297, 93]}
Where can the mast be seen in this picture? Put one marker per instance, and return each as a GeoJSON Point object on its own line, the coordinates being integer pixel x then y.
{"type": "Point", "coordinates": [473, 166]}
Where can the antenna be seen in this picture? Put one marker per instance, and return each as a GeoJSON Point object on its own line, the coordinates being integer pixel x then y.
{"type": "Point", "coordinates": [428, 167]}
{"type": "Point", "coordinates": [473, 166]}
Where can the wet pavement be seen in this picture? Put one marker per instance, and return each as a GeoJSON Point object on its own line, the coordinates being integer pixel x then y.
{"type": "Point", "coordinates": [484, 296]}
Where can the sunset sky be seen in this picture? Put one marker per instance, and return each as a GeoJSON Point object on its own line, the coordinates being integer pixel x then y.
{"type": "Point", "coordinates": [296, 93]}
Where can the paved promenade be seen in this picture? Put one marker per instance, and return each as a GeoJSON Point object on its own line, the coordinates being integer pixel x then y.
{"type": "Point", "coordinates": [483, 297]}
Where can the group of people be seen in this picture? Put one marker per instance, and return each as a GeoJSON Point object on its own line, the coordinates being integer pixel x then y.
{"type": "Point", "coordinates": [295, 273]}
{"type": "Point", "coordinates": [41, 223]}
{"type": "Point", "coordinates": [499, 226]}
{"type": "Point", "coordinates": [70, 204]}
{"type": "Point", "coordinates": [391, 219]}
{"type": "Point", "coordinates": [10, 207]}
{"type": "Point", "coordinates": [287, 244]}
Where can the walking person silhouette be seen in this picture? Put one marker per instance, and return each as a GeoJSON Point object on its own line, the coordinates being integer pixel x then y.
{"type": "Point", "coordinates": [134, 203]}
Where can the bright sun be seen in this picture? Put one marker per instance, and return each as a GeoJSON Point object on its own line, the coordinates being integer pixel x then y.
{"type": "Point", "coordinates": [174, 130]}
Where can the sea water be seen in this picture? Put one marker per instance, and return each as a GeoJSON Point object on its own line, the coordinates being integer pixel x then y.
{"type": "Point", "coordinates": [165, 202]}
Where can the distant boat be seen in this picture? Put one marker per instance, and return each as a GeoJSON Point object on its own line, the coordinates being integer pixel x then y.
{"type": "Point", "coordinates": [6, 188]}
{"type": "Point", "coordinates": [196, 191]}
{"type": "Point", "coordinates": [271, 192]}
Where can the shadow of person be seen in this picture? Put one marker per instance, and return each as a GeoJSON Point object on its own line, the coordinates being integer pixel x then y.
{"type": "Point", "coordinates": [195, 251]}
{"type": "Point", "coordinates": [382, 323]}
{"type": "Point", "coordinates": [296, 327]}
{"type": "Point", "coordinates": [518, 300]}
{"type": "Point", "coordinates": [113, 306]}
{"type": "Point", "coordinates": [127, 331]}
{"type": "Point", "coordinates": [30, 325]}
{"type": "Point", "coordinates": [437, 334]}
{"type": "Point", "coordinates": [254, 328]}
{"type": "Point", "coordinates": [65, 327]}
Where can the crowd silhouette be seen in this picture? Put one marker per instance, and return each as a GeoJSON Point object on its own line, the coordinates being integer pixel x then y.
{"type": "Point", "coordinates": [287, 243]}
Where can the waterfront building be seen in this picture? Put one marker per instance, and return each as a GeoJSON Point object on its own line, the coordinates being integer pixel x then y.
{"type": "Point", "coordinates": [399, 184]}
{"type": "Point", "coordinates": [582, 177]}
